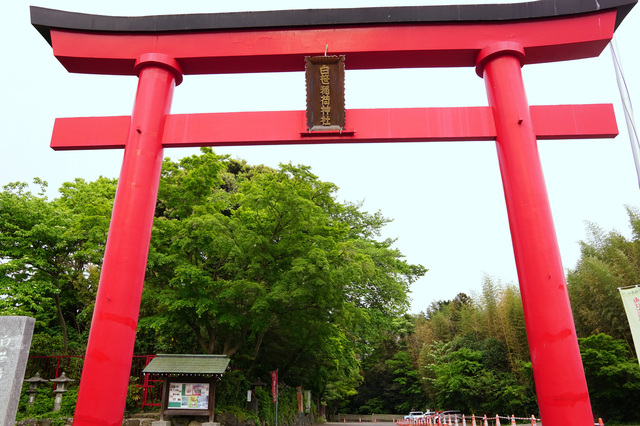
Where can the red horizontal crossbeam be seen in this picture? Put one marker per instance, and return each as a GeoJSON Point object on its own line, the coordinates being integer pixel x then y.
{"type": "Point", "coordinates": [363, 125]}
{"type": "Point", "coordinates": [365, 47]}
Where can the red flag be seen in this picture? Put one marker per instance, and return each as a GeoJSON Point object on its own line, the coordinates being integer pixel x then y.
{"type": "Point", "coordinates": [274, 385]}
{"type": "Point", "coordinates": [299, 396]}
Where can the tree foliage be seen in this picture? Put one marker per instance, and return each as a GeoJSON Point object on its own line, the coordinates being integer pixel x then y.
{"type": "Point", "coordinates": [391, 380]}
{"type": "Point", "coordinates": [608, 261]}
{"type": "Point", "coordinates": [50, 254]}
{"type": "Point", "coordinates": [267, 267]}
{"type": "Point", "coordinates": [613, 377]}
{"type": "Point", "coordinates": [474, 355]}
{"type": "Point", "coordinates": [263, 265]}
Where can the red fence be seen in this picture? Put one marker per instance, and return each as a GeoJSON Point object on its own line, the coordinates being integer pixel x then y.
{"type": "Point", "coordinates": [51, 367]}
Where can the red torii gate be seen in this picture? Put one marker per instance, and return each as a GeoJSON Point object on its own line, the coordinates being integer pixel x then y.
{"type": "Point", "coordinates": [495, 39]}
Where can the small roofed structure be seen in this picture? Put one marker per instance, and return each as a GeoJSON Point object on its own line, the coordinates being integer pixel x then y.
{"type": "Point", "coordinates": [189, 383]}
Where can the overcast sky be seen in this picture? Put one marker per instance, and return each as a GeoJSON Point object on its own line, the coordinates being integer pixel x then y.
{"type": "Point", "coordinates": [445, 199]}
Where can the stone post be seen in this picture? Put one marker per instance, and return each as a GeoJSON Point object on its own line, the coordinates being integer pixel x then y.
{"type": "Point", "coordinates": [15, 341]}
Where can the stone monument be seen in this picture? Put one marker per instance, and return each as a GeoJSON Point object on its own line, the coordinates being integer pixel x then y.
{"type": "Point", "coordinates": [15, 341]}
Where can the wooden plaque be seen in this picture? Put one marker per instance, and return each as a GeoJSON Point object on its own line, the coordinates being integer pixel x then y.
{"type": "Point", "coordinates": [325, 93]}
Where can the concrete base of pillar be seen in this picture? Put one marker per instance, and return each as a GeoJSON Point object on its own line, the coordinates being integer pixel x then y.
{"type": "Point", "coordinates": [211, 424]}
{"type": "Point", "coordinates": [161, 423]}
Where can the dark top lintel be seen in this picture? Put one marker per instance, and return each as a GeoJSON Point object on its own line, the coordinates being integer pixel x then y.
{"type": "Point", "coordinates": [44, 19]}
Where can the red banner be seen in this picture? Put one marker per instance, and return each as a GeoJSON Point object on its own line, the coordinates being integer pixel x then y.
{"type": "Point", "coordinates": [299, 395]}
{"type": "Point", "coordinates": [274, 385]}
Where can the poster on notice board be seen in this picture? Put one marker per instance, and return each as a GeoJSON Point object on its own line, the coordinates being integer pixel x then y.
{"type": "Point", "coordinates": [189, 396]}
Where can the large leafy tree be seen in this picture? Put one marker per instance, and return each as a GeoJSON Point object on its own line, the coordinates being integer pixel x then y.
{"type": "Point", "coordinates": [268, 267]}
{"type": "Point", "coordinates": [263, 265]}
{"type": "Point", "coordinates": [50, 253]}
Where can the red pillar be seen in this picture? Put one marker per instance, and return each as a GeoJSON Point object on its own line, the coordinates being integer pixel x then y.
{"type": "Point", "coordinates": [557, 367]}
{"type": "Point", "coordinates": [105, 376]}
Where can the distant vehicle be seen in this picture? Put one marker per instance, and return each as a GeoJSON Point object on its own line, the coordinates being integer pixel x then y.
{"type": "Point", "coordinates": [414, 415]}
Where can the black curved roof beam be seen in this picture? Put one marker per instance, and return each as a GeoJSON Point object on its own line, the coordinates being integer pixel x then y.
{"type": "Point", "coordinates": [44, 19]}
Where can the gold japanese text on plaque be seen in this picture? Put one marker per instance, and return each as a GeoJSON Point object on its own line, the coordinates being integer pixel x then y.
{"type": "Point", "coordinates": [325, 93]}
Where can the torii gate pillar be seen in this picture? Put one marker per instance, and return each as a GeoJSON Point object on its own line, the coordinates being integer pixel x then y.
{"type": "Point", "coordinates": [115, 316]}
{"type": "Point", "coordinates": [496, 39]}
{"type": "Point", "coordinates": [552, 338]}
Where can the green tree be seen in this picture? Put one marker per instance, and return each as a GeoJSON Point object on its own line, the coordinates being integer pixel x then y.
{"type": "Point", "coordinates": [613, 377]}
{"type": "Point", "coordinates": [263, 265]}
{"type": "Point", "coordinates": [457, 377]}
{"type": "Point", "coordinates": [267, 267]}
{"type": "Point", "coordinates": [391, 380]}
{"type": "Point", "coordinates": [51, 252]}
{"type": "Point", "coordinates": [474, 354]}
{"type": "Point", "coordinates": [475, 376]}
{"type": "Point", "coordinates": [407, 382]}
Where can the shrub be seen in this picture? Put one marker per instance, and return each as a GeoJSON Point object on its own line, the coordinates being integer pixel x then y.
{"type": "Point", "coordinates": [42, 407]}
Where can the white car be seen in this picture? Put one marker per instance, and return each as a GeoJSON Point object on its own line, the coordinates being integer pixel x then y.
{"type": "Point", "coordinates": [414, 415]}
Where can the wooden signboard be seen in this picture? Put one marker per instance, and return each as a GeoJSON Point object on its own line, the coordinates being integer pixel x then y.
{"type": "Point", "coordinates": [325, 93]}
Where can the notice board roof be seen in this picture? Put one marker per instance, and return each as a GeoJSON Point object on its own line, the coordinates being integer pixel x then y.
{"type": "Point", "coordinates": [180, 364]}
{"type": "Point", "coordinates": [44, 19]}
